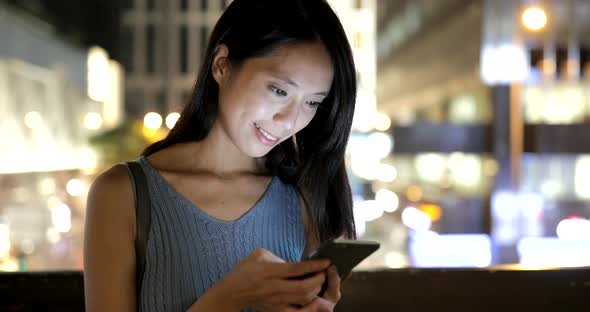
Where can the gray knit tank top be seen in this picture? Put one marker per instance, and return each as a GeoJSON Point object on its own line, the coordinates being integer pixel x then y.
{"type": "Point", "coordinates": [188, 250]}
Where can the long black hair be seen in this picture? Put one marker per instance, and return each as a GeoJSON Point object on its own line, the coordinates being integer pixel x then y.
{"type": "Point", "coordinates": [313, 160]}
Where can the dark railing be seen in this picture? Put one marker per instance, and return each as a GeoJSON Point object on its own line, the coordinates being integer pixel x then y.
{"type": "Point", "coordinates": [411, 290]}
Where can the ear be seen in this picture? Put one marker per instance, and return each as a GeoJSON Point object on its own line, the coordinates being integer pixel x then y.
{"type": "Point", "coordinates": [220, 67]}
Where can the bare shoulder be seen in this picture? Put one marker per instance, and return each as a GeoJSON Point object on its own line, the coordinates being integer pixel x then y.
{"type": "Point", "coordinates": [112, 193]}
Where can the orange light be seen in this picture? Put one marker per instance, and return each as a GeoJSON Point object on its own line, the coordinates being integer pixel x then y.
{"type": "Point", "coordinates": [433, 211]}
{"type": "Point", "coordinates": [414, 193]}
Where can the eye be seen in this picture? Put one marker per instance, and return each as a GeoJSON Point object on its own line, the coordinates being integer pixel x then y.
{"type": "Point", "coordinates": [313, 103]}
{"type": "Point", "coordinates": [277, 91]}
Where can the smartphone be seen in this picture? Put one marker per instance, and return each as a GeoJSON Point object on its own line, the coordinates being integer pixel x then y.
{"type": "Point", "coordinates": [344, 254]}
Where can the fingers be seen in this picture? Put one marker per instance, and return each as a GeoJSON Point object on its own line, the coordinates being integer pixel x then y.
{"type": "Point", "coordinates": [305, 267]}
{"type": "Point", "coordinates": [333, 292]}
{"type": "Point", "coordinates": [304, 291]}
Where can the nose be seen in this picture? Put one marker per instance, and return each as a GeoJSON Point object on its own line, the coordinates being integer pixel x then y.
{"type": "Point", "coordinates": [287, 116]}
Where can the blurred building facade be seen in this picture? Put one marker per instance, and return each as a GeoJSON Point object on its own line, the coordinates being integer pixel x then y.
{"type": "Point", "coordinates": [488, 122]}
{"type": "Point", "coordinates": [162, 44]}
{"type": "Point", "coordinates": [47, 114]}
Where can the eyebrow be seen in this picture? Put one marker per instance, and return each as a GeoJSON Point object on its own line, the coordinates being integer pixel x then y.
{"type": "Point", "coordinates": [293, 83]}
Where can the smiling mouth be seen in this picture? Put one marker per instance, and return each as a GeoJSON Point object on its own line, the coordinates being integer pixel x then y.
{"type": "Point", "coordinates": [265, 133]}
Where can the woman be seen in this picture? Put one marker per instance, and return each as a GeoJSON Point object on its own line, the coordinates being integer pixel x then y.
{"type": "Point", "coordinates": [250, 180]}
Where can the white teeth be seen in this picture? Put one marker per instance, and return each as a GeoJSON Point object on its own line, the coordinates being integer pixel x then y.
{"type": "Point", "coordinates": [266, 134]}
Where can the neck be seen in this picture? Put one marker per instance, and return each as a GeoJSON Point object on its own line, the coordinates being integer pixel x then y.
{"type": "Point", "coordinates": [216, 154]}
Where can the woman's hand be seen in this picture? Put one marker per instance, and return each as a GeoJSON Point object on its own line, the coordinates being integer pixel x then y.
{"type": "Point", "coordinates": [328, 301]}
{"type": "Point", "coordinates": [266, 282]}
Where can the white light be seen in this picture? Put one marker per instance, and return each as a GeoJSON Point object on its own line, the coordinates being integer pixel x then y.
{"type": "Point", "coordinates": [75, 187]}
{"type": "Point", "coordinates": [428, 249]}
{"type": "Point", "coordinates": [534, 18]}
{"type": "Point", "coordinates": [33, 120]}
{"type": "Point", "coordinates": [386, 173]}
{"type": "Point", "coordinates": [52, 235]}
{"type": "Point", "coordinates": [152, 120]}
{"type": "Point", "coordinates": [27, 246]}
{"type": "Point", "coordinates": [47, 186]}
{"type": "Point", "coordinates": [380, 144]}
{"type": "Point", "coordinates": [515, 215]}
{"type": "Point", "coordinates": [171, 120]}
{"type": "Point", "coordinates": [503, 64]}
{"type": "Point", "coordinates": [92, 121]}
{"type": "Point", "coordinates": [430, 167]}
{"type": "Point", "coordinates": [582, 177]}
{"type": "Point", "coordinates": [543, 252]}
{"type": "Point", "coordinates": [551, 188]}
{"type": "Point", "coordinates": [365, 110]}
{"type": "Point", "coordinates": [394, 260]}
{"type": "Point", "coordinates": [466, 170]}
{"type": "Point", "coordinates": [61, 216]}
{"type": "Point", "coordinates": [87, 160]}
{"type": "Point", "coordinates": [112, 104]}
{"type": "Point", "coordinates": [382, 122]}
{"type": "Point", "coordinates": [98, 74]}
{"type": "Point", "coordinates": [367, 210]}
{"type": "Point", "coordinates": [416, 219]}
{"type": "Point", "coordinates": [573, 229]}
{"type": "Point", "coordinates": [387, 199]}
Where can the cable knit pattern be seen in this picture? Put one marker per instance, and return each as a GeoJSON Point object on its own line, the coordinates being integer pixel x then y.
{"type": "Point", "coordinates": [188, 250]}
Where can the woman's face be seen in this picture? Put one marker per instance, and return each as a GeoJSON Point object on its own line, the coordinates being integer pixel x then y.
{"type": "Point", "coordinates": [266, 100]}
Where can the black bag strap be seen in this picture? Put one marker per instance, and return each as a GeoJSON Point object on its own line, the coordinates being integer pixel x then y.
{"type": "Point", "coordinates": [142, 220]}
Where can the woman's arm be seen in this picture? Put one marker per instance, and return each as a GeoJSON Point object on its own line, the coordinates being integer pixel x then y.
{"type": "Point", "coordinates": [109, 234]}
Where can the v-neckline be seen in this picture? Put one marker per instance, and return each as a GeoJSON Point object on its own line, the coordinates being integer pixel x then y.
{"type": "Point", "coordinates": [194, 207]}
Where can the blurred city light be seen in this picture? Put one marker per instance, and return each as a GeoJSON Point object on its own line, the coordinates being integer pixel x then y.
{"type": "Point", "coordinates": [113, 103]}
{"type": "Point", "coordinates": [429, 249]}
{"type": "Point", "coordinates": [534, 18]}
{"type": "Point", "coordinates": [366, 153]}
{"type": "Point", "coordinates": [368, 210]}
{"type": "Point", "coordinates": [516, 215]}
{"type": "Point", "coordinates": [574, 228]}
{"type": "Point", "coordinates": [386, 173]}
{"type": "Point", "coordinates": [414, 193]}
{"type": "Point", "coordinates": [171, 119]}
{"type": "Point", "coordinates": [47, 186]}
{"type": "Point", "coordinates": [380, 144]}
{"type": "Point", "coordinates": [27, 246]}
{"type": "Point", "coordinates": [387, 199]}
{"type": "Point", "coordinates": [92, 121]}
{"type": "Point", "coordinates": [74, 187]}
{"type": "Point", "coordinates": [430, 167]}
{"type": "Point", "coordinates": [394, 260]}
{"type": "Point", "coordinates": [382, 122]}
{"type": "Point", "coordinates": [433, 211]}
{"type": "Point", "coordinates": [582, 177]}
{"type": "Point", "coordinates": [505, 63]}
{"type": "Point", "coordinates": [61, 217]}
{"type": "Point", "coordinates": [465, 169]}
{"type": "Point", "coordinates": [33, 120]}
{"type": "Point", "coordinates": [52, 235]}
{"type": "Point", "coordinates": [152, 120]}
{"type": "Point", "coordinates": [415, 219]}
{"type": "Point", "coordinates": [490, 167]}
{"type": "Point", "coordinates": [548, 252]}
{"type": "Point", "coordinates": [4, 240]}
{"type": "Point", "coordinates": [98, 74]}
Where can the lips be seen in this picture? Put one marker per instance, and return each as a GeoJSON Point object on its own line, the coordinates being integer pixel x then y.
{"type": "Point", "coordinates": [266, 137]}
